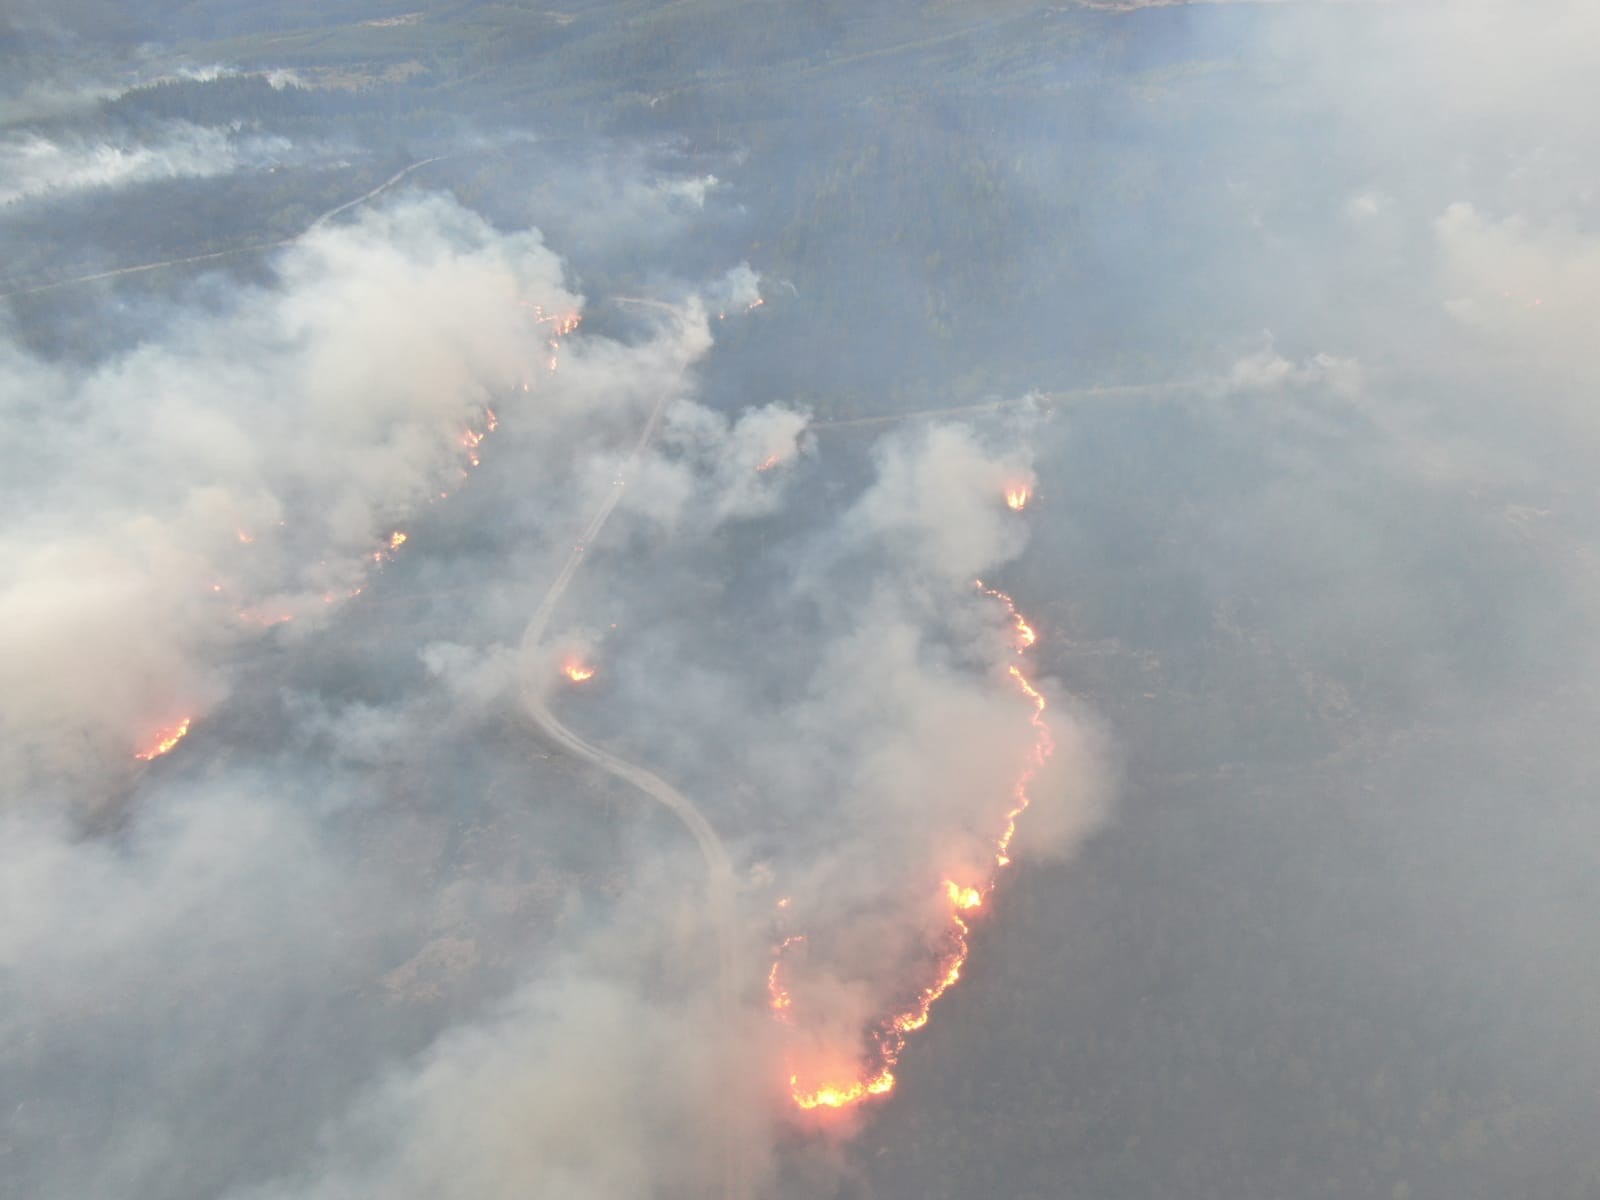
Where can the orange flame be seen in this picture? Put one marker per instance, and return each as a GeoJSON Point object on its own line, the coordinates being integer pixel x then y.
{"type": "Point", "coordinates": [889, 1036]}
{"type": "Point", "coordinates": [564, 323]}
{"type": "Point", "coordinates": [561, 324]}
{"type": "Point", "coordinates": [964, 898]}
{"type": "Point", "coordinates": [836, 1096]}
{"type": "Point", "coordinates": [1025, 632]}
{"type": "Point", "coordinates": [396, 540]}
{"type": "Point", "coordinates": [1017, 497]}
{"type": "Point", "coordinates": [768, 463]}
{"type": "Point", "coordinates": [577, 670]}
{"type": "Point", "coordinates": [1044, 745]}
{"type": "Point", "coordinates": [264, 617]}
{"type": "Point", "coordinates": [778, 998]}
{"type": "Point", "coordinates": [165, 741]}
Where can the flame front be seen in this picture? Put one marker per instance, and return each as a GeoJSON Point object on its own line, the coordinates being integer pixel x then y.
{"type": "Point", "coordinates": [561, 324]}
{"type": "Point", "coordinates": [1017, 496]}
{"type": "Point", "coordinates": [964, 898]}
{"type": "Point", "coordinates": [165, 741]}
{"type": "Point", "coordinates": [778, 998]}
{"type": "Point", "coordinates": [887, 1037]}
{"type": "Point", "coordinates": [577, 670]}
{"type": "Point", "coordinates": [841, 1096]}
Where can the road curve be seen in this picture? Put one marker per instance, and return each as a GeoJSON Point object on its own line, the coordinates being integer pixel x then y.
{"type": "Point", "coordinates": [536, 682]}
{"type": "Point", "coordinates": [365, 196]}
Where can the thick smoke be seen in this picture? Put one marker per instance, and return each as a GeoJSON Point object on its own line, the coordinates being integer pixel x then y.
{"type": "Point", "coordinates": [221, 502]}
{"type": "Point", "coordinates": [34, 166]}
{"type": "Point", "coordinates": [243, 473]}
{"type": "Point", "coordinates": [368, 931]}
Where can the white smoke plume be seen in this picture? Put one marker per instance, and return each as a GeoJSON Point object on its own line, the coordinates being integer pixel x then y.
{"type": "Point", "coordinates": [218, 505]}
{"type": "Point", "coordinates": [34, 166]}
{"type": "Point", "coordinates": [172, 502]}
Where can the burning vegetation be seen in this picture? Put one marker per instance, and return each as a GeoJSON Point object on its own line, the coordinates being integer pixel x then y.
{"type": "Point", "coordinates": [164, 741]}
{"type": "Point", "coordinates": [812, 1089]}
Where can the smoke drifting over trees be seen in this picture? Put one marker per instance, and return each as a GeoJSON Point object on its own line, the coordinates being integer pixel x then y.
{"type": "Point", "coordinates": [1170, 422]}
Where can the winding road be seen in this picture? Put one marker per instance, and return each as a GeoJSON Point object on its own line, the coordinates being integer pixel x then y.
{"type": "Point", "coordinates": [220, 254]}
{"type": "Point", "coordinates": [537, 679]}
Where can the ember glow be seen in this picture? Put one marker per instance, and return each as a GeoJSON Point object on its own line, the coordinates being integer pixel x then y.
{"type": "Point", "coordinates": [560, 324]}
{"type": "Point", "coordinates": [886, 1040]}
{"type": "Point", "coordinates": [768, 463]}
{"type": "Point", "coordinates": [577, 670]}
{"type": "Point", "coordinates": [778, 998]}
{"type": "Point", "coordinates": [396, 540]}
{"type": "Point", "coordinates": [165, 741]}
{"type": "Point", "coordinates": [264, 617]}
{"type": "Point", "coordinates": [1017, 496]}
{"type": "Point", "coordinates": [472, 438]}
{"type": "Point", "coordinates": [1044, 746]}
{"type": "Point", "coordinates": [1025, 633]}
{"type": "Point", "coordinates": [964, 898]}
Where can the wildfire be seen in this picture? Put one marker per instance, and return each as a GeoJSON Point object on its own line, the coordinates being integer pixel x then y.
{"type": "Point", "coordinates": [266, 618]}
{"type": "Point", "coordinates": [165, 741]}
{"type": "Point", "coordinates": [880, 1084]}
{"type": "Point", "coordinates": [1044, 745]}
{"type": "Point", "coordinates": [577, 670]}
{"type": "Point", "coordinates": [1017, 497]}
{"type": "Point", "coordinates": [471, 439]}
{"type": "Point", "coordinates": [964, 898]}
{"type": "Point", "coordinates": [887, 1038]}
{"type": "Point", "coordinates": [778, 998]}
{"type": "Point", "coordinates": [768, 463]}
{"type": "Point", "coordinates": [560, 324]}
{"type": "Point", "coordinates": [890, 1035]}
{"type": "Point", "coordinates": [1025, 632]}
